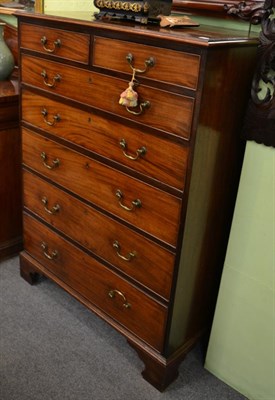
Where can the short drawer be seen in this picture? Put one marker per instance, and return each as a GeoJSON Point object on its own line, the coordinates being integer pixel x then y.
{"type": "Point", "coordinates": [153, 156]}
{"type": "Point", "coordinates": [169, 66]}
{"type": "Point", "coordinates": [138, 257]}
{"type": "Point", "coordinates": [166, 111]}
{"type": "Point", "coordinates": [142, 205]}
{"type": "Point", "coordinates": [60, 43]}
{"type": "Point", "coordinates": [117, 298]}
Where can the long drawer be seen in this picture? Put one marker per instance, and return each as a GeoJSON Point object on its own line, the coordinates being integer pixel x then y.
{"type": "Point", "coordinates": [138, 257]}
{"type": "Point", "coordinates": [166, 111]}
{"type": "Point", "coordinates": [123, 302]}
{"type": "Point", "coordinates": [142, 205]}
{"type": "Point", "coordinates": [163, 65]}
{"type": "Point", "coordinates": [151, 155]}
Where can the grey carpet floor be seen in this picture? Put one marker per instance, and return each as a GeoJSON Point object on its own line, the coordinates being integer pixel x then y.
{"type": "Point", "coordinates": [53, 348]}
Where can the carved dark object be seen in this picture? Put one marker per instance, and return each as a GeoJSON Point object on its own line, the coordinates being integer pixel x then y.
{"type": "Point", "coordinates": [260, 117]}
{"type": "Point", "coordinates": [251, 11]}
{"type": "Point", "coordinates": [247, 10]}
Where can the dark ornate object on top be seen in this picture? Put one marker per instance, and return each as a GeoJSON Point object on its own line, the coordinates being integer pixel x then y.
{"type": "Point", "coordinates": [138, 11]}
{"type": "Point", "coordinates": [246, 10]}
{"type": "Point", "coordinates": [251, 11]}
{"type": "Point", "coordinates": [260, 118]}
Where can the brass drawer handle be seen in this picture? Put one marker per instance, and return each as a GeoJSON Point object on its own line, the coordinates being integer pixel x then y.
{"type": "Point", "coordinates": [55, 162]}
{"type": "Point", "coordinates": [113, 293]}
{"type": "Point", "coordinates": [135, 203]}
{"type": "Point", "coordinates": [56, 118]}
{"type": "Point", "coordinates": [129, 256]}
{"type": "Point", "coordinates": [56, 78]}
{"type": "Point", "coordinates": [142, 107]}
{"type": "Point", "coordinates": [51, 256]}
{"type": "Point", "coordinates": [51, 211]}
{"type": "Point", "coordinates": [150, 62]}
{"type": "Point", "coordinates": [139, 152]}
{"type": "Point", "coordinates": [56, 44]}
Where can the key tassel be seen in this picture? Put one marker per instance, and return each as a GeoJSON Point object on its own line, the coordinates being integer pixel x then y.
{"type": "Point", "coordinates": [129, 98]}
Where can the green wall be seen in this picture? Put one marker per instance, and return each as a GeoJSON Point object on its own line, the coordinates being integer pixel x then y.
{"type": "Point", "coordinates": [241, 350]}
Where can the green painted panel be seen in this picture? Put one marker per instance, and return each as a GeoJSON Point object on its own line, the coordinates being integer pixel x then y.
{"type": "Point", "coordinates": [241, 349]}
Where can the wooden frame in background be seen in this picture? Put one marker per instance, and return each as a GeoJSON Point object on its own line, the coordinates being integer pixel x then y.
{"type": "Point", "coordinates": [39, 6]}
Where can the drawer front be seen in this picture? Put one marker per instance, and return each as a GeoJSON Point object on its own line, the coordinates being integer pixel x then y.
{"type": "Point", "coordinates": [162, 159]}
{"type": "Point", "coordinates": [170, 66]}
{"type": "Point", "coordinates": [168, 112]}
{"type": "Point", "coordinates": [148, 208]}
{"type": "Point", "coordinates": [138, 257]}
{"type": "Point", "coordinates": [117, 298]}
{"type": "Point", "coordinates": [57, 42]}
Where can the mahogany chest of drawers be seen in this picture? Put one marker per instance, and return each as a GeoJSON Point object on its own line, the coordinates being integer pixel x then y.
{"type": "Point", "coordinates": [10, 176]}
{"type": "Point", "coordinates": [128, 207]}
